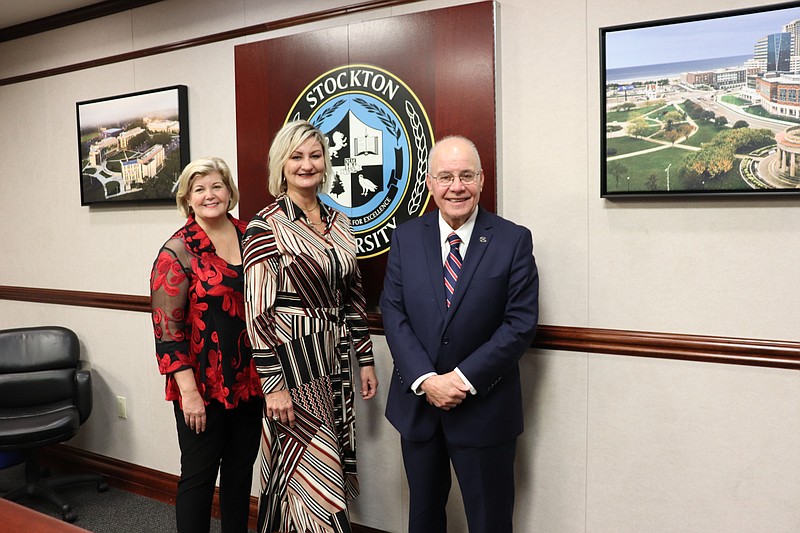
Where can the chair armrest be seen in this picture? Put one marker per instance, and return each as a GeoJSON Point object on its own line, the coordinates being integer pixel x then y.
{"type": "Point", "coordinates": [83, 389]}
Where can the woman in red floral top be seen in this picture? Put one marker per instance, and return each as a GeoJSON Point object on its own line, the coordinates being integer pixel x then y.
{"type": "Point", "coordinates": [203, 350]}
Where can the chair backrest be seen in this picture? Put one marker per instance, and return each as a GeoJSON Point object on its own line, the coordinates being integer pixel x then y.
{"type": "Point", "coordinates": [37, 365]}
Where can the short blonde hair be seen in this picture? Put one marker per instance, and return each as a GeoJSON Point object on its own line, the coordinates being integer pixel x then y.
{"type": "Point", "coordinates": [203, 167]}
{"type": "Point", "coordinates": [286, 141]}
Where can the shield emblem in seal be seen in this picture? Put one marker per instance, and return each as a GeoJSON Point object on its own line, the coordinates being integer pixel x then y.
{"type": "Point", "coordinates": [379, 138]}
{"type": "Point", "coordinates": [355, 150]}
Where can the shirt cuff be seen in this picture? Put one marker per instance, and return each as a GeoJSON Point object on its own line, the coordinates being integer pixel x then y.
{"type": "Point", "coordinates": [415, 386]}
{"type": "Point", "coordinates": [466, 382]}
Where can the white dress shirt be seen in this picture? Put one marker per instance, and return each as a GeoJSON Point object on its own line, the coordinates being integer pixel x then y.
{"type": "Point", "coordinates": [464, 233]}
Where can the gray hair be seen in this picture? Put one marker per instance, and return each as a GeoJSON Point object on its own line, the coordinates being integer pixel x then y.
{"type": "Point", "coordinates": [450, 138]}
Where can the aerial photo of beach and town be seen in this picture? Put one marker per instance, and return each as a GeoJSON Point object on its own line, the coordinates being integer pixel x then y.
{"type": "Point", "coordinates": [700, 106]}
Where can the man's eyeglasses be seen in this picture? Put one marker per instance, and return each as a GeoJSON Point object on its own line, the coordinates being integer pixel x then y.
{"type": "Point", "coordinates": [446, 179]}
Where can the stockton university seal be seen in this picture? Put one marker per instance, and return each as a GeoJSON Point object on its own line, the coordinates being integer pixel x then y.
{"type": "Point", "coordinates": [379, 137]}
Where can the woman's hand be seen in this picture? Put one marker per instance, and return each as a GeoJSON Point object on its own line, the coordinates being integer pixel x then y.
{"type": "Point", "coordinates": [369, 382]}
{"type": "Point", "coordinates": [279, 407]}
{"type": "Point", "coordinates": [194, 411]}
{"type": "Point", "coordinates": [192, 404]}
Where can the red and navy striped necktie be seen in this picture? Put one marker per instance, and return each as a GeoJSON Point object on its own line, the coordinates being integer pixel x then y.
{"type": "Point", "coordinates": [452, 266]}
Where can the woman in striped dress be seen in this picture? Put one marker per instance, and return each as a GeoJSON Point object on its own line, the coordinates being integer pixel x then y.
{"type": "Point", "coordinates": [305, 311]}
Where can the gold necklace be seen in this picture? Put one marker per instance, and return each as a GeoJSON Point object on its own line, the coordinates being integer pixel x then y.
{"type": "Point", "coordinates": [308, 211]}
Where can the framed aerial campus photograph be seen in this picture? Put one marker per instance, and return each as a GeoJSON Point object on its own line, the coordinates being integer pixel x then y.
{"type": "Point", "coordinates": [702, 105]}
{"type": "Point", "coordinates": [132, 147]}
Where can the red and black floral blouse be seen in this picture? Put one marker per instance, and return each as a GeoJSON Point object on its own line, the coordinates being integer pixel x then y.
{"type": "Point", "coordinates": [197, 302]}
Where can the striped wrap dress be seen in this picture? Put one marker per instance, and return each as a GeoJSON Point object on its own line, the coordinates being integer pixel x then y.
{"type": "Point", "coordinates": [305, 312]}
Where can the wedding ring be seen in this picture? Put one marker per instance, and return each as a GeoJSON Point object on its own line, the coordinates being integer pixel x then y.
{"type": "Point", "coordinates": [275, 417]}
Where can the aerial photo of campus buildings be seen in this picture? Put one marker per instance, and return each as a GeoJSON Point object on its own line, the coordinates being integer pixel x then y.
{"type": "Point", "coordinates": [138, 160]}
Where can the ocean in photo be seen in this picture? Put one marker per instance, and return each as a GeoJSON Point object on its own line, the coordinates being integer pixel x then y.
{"type": "Point", "coordinates": [671, 70]}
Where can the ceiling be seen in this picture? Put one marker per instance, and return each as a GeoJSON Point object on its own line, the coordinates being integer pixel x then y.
{"type": "Point", "coordinates": [13, 12]}
{"type": "Point", "coordinates": [20, 18]}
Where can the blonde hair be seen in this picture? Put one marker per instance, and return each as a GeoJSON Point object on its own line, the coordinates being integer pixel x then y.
{"type": "Point", "coordinates": [286, 141]}
{"type": "Point", "coordinates": [203, 167]}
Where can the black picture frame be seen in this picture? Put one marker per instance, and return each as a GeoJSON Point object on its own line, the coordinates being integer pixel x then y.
{"type": "Point", "coordinates": [674, 92]}
{"type": "Point", "coordinates": [132, 147]}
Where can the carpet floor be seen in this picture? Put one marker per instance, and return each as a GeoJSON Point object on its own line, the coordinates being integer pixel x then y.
{"type": "Point", "coordinates": [113, 511]}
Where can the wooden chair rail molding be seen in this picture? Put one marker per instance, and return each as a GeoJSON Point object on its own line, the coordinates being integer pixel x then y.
{"type": "Point", "coordinates": [729, 350]}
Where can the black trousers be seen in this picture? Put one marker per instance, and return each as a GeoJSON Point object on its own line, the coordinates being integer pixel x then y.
{"type": "Point", "coordinates": [229, 445]}
{"type": "Point", "coordinates": [485, 476]}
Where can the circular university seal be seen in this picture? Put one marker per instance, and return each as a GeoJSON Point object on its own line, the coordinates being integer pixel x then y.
{"type": "Point", "coordinates": [379, 137]}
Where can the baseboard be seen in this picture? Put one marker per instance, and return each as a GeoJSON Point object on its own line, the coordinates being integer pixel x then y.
{"type": "Point", "coordinates": [137, 479]}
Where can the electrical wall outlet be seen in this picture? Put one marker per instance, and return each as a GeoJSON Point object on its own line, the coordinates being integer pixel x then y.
{"type": "Point", "coordinates": [122, 411]}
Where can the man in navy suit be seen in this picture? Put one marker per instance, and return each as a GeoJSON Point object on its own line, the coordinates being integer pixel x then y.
{"type": "Point", "coordinates": [455, 394]}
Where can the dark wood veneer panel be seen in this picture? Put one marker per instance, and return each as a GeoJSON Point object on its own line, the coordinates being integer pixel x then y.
{"type": "Point", "coordinates": [445, 56]}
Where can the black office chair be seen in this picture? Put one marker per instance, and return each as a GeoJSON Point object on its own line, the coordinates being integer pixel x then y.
{"type": "Point", "coordinates": [45, 396]}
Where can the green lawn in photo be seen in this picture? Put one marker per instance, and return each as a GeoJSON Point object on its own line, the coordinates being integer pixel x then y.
{"type": "Point", "coordinates": [640, 167]}
{"type": "Point", "coordinates": [759, 111]}
{"type": "Point", "coordinates": [114, 162]}
{"type": "Point", "coordinates": [651, 110]}
{"type": "Point", "coordinates": [87, 137]}
{"type": "Point", "coordinates": [735, 100]}
{"type": "Point", "coordinates": [627, 145]}
{"type": "Point", "coordinates": [625, 116]}
{"type": "Point", "coordinates": [706, 131]}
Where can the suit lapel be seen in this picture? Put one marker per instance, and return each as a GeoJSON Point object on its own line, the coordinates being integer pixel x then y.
{"type": "Point", "coordinates": [478, 243]}
{"type": "Point", "coordinates": [433, 255]}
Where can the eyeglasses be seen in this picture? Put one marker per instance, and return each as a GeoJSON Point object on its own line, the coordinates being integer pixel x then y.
{"type": "Point", "coordinates": [467, 178]}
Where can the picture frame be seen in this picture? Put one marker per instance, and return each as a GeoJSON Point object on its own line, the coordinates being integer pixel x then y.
{"type": "Point", "coordinates": [702, 105]}
{"type": "Point", "coordinates": [132, 147]}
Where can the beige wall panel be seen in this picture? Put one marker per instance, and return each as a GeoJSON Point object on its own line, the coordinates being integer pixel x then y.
{"type": "Point", "coordinates": [682, 446]}
{"type": "Point", "coordinates": [208, 73]}
{"type": "Point", "coordinates": [383, 501]}
{"type": "Point", "coordinates": [178, 20]}
{"type": "Point", "coordinates": [21, 56]}
{"type": "Point", "coordinates": [106, 36]}
{"type": "Point", "coordinates": [257, 12]}
{"type": "Point", "coordinates": [696, 267]}
{"type": "Point", "coordinates": [102, 37]}
{"type": "Point", "coordinates": [29, 197]}
{"type": "Point", "coordinates": [551, 453]}
{"type": "Point", "coordinates": [542, 180]}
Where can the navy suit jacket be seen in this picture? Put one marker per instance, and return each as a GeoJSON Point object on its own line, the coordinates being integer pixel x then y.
{"type": "Point", "coordinates": [491, 322]}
